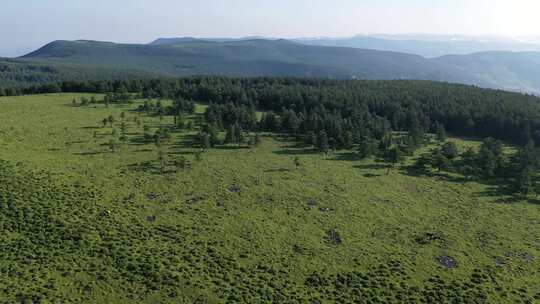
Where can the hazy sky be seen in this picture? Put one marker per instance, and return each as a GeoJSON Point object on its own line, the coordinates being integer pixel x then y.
{"type": "Point", "coordinates": [28, 24]}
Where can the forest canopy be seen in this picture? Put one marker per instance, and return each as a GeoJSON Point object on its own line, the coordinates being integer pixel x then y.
{"type": "Point", "coordinates": [341, 106]}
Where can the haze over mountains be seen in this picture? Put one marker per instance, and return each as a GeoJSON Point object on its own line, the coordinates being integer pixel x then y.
{"type": "Point", "coordinates": [491, 62]}
{"type": "Point", "coordinates": [431, 45]}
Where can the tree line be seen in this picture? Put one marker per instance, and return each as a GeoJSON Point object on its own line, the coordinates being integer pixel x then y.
{"type": "Point", "coordinates": [341, 106]}
{"type": "Point", "coordinates": [389, 119]}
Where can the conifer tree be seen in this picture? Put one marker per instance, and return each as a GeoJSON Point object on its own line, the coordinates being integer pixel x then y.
{"type": "Point", "coordinates": [348, 140]}
{"type": "Point", "coordinates": [525, 183]}
{"type": "Point", "coordinates": [162, 158]}
{"type": "Point", "coordinates": [323, 142]}
{"type": "Point", "coordinates": [297, 162]}
{"type": "Point", "coordinates": [258, 139]}
{"type": "Point", "coordinates": [205, 141]}
{"type": "Point", "coordinates": [230, 136]}
{"type": "Point", "coordinates": [449, 150]}
{"type": "Point", "coordinates": [441, 132]}
{"type": "Point", "coordinates": [393, 156]}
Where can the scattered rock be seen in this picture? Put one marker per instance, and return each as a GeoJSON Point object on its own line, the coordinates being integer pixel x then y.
{"type": "Point", "coordinates": [106, 213]}
{"type": "Point", "coordinates": [165, 199]}
{"type": "Point", "coordinates": [234, 189]}
{"type": "Point", "coordinates": [152, 196]}
{"type": "Point", "coordinates": [297, 249]}
{"type": "Point", "coordinates": [312, 203]}
{"type": "Point", "coordinates": [129, 199]}
{"type": "Point", "coordinates": [194, 200]}
{"type": "Point", "coordinates": [325, 209]}
{"type": "Point", "coordinates": [499, 262]}
{"type": "Point", "coordinates": [429, 237]}
{"type": "Point", "coordinates": [447, 261]}
{"type": "Point", "coordinates": [333, 237]}
{"type": "Point", "coordinates": [527, 257]}
{"type": "Point", "coordinates": [151, 218]}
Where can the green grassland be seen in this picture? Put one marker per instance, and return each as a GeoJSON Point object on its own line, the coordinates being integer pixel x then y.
{"type": "Point", "coordinates": [82, 224]}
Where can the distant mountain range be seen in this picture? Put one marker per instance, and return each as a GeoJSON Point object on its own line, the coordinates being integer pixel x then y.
{"type": "Point", "coordinates": [430, 46]}
{"type": "Point", "coordinates": [253, 56]}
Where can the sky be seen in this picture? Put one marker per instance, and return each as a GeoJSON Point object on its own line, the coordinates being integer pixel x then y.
{"type": "Point", "coordinates": [28, 24]}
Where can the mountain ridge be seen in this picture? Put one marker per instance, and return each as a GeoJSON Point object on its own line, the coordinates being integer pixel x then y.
{"type": "Point", "coordinates": [186, 56]}
{"type": "Point", "coordinates": [429, 46]}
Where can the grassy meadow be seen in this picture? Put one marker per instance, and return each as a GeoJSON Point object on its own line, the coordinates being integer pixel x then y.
{"type": "Point", "coordinates": [80, 223]}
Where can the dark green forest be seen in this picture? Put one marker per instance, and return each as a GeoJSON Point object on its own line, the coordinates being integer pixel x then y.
{"type": "Point", "coordinates": [16, 73]}
{"type": "Point", "coordinates": [338, 106]}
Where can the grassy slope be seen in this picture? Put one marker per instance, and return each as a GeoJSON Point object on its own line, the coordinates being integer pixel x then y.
{"type": "Point", "coordinates": [267, 224]}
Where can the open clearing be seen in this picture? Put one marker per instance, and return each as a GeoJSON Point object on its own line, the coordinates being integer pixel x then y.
{"type": "Point", "coordinates": [80, 223]}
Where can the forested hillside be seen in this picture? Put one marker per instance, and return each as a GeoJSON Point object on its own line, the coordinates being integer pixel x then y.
{"type": "Point", "coordinates": [510, 71]}
{"type": "Point", "coordinates": [239, 58]}
{"type": "Point", "coordinates": [16, 73]}
{"type": "Point", "coordinates": [259, 57]}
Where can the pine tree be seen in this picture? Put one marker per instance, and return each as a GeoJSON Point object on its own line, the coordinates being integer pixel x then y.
{"type": "Point", "coordinates": [162, 158]}
{"type": "Point", "coordinates": [258, 139]}
{"type": "Point", "coordinates": [239, 134]}
{"type": "Point", "coordinates": [527, 157]}
{"type": "Point", "coordinates": [112, 145]}
{"type": "Point", "coordinates": [123, 138]}
{"type": "Point", "coordinates": [439, 161]}
{"type": "Point", "coordinates": [367, 147]}
{"type": "Point", "coordinates": [385, 144]}
{"type": "Point", "coordinates": [441, 132]}
{"type": "Point", "coordinates": [490, 157]}
{"type": "Point", "coordinates": [230, 136]}
{"type": "Point", "coordinates": [424, 162]}
{"type": "Point", "coordinates": [393, 156]}
{"type": "Point", "coordinates": [182, 163]}
{"type": "Point", "coordinates": [123, 127]}
{"type": "Point", "coordinates": [450, 150]}
{"type": "Point", "coordinates": [525, 184]}
{"type": "Point", "coordinates": [251, 142]}
{"type": "Point", "coordinates": [312, 139]}
{"type": "Point", "coordinates": [323, 142]}
{"type": "Point", "coordinates": [348, 140]}
{"type": "Point", "coordinates": [205, 141]}
{"type": "Point", "coordinates": [297, 162]}
{"type": "Point", "coordinates": [198, 156]}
